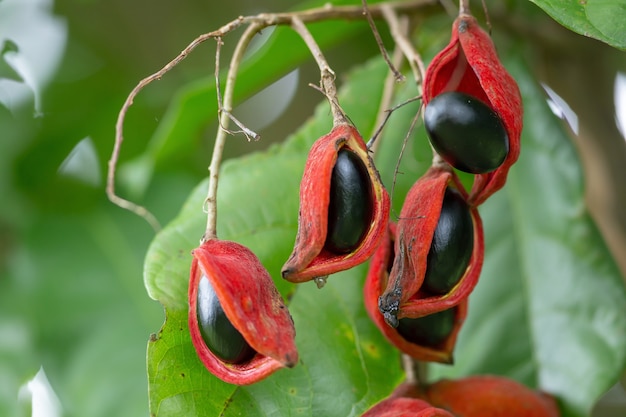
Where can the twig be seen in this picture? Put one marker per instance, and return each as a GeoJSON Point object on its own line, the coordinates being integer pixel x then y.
{"type": "Point", "coordinates": [397, 74]}
{"type": "Point", "coordinates": [327, 75]}
{"type": "Point", "coordinates": [464, 7]}
{"type": "Point", "coordinates": [222, 132]}
{"type": "Point", "coordinates": [402, 40]}
{"type": "Point", "coordinates": [384, 111]}
{"type": "Point", "coordinates": [402, 149]}
{"type": "Point", "coordinates": [250, 134]}
{"type": "Point", "coordinates": [260, 21]}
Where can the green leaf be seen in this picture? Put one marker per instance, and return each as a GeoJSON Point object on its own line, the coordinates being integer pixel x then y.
{"type": "Point", "coordinates": [548, 310]}
{"type": "Point", "coordinates": [345, 362]}
{"type": "Point", "coordinates": [599, 19]}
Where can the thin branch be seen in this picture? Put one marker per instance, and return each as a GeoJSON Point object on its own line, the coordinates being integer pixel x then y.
{"type": "Point", "coordinates": [397, 74]}
{"type": "Point", "coordinates": [464, 7]}
{"type": "Point", "coordinates": [404, 43]}
{"type": "Point", "coordinates": [327, 75]}
{"type": "Point", "coordinates": [385, 101]}
{"type": "Point", "coordinates": [259, 21]}
{"type": "Point", "coordinates": [222, 132]}
{"type": "Point", "coordinates": [403, 148]}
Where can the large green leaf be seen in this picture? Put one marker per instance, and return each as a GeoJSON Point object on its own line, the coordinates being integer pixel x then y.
{"type": "Point", "coordinates": [548, 310]}
{"type": "Point", "coordinates": [598, 19]}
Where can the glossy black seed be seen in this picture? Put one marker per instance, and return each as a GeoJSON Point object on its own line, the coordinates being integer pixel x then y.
{"type": "Point", "coordinates": [350, 207]}
{"type": "Point", "coordinates": [217, 331]}
{"type": "Point", "coordinates": [429, 331]}
{"type": "Point", "coordinates": [452, 245]}
{"type": "Point", "coordinates": [466, 132]}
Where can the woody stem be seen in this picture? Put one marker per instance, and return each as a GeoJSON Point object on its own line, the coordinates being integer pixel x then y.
{"type": "Point", "coordinates": [222, 132]}
{"type": "Point", "coordinates": [327, 75]}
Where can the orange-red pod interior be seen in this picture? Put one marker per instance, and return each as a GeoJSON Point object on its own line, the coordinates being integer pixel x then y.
{"type": "Point", "coordinates": [310, 258]}
{"type": "Point", "coordinates": [251, 303]}
{"type": "Point", "coordinates": [470, 64]}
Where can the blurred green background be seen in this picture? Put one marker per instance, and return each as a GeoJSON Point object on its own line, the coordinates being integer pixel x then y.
{"type": "Point", "coordinates": [72, 298]}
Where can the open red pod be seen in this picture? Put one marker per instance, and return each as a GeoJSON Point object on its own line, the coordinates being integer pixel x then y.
{"type": "Point", "coordinates": [431, 339]}
{"type": "Point", "coordinates": [438, 249]}
{"type": "Point", "coordinates": [239, 324]}
{"type": "Point", "coordinates": [470, 65]}
{"type": "Point", "coordinates": [344, 208]}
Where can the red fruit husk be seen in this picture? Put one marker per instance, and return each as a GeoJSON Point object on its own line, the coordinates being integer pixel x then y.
{"type": "Point", "coordinates": [252, 304]}
{"type": "Point", "coordinates": [403, 402]}
{"type": "Point", "coordinates": [375, 284]}
{"type": "Point", "coordinates": [416, 226]}
{"type": "Point", "coordinates": [309, 258]}
{"type": "Point", "coordinates": [470, 64]}
{"type": "Point", "coordinates": [490, 396]}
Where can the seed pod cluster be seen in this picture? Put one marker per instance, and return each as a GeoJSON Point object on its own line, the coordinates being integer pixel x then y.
{"type": "Point", "coordinates": [423, 267]}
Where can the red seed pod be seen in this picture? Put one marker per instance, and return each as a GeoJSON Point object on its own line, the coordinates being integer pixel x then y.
{"type": "Point", "coordinates": [375, 284]}
{"type": "Point", "coordinates": [403, 402]}
{"type": "Point", "coordinates": [470, 64]}
{"type": "Point", "coordinates": [490, 396]}
{"type": "Point", "coordinates": [228, 278]}
{"type": "Point", "coordinates": [340, 194]}
{"type": "Point", "coordinates": [405, 294]}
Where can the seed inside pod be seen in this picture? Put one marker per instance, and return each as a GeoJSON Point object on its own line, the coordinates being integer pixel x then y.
{"type": "Point", "coordinates": [430, 331]}
{"type": "Point", "coordinates": [452, 245]}
{"type": "Point", "coordinates": [466, 132]}
{"type": "Point", "coordinates": [217, 331]}
{"type": "Point", "coordinates": [350, 207]}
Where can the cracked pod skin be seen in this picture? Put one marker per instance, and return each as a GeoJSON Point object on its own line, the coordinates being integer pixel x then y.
{"type": "Point", "coordinates": [253, 306]}
{"type": "Point", "coordinates": [403, 402]}
{"type": "Point", "coordinates": [375, 284]}
{"type": "Point", "coordinates": [403, 296]}
{"type": "Point", "coordinates": [470, 64]}
{"type": "Point", "coordinates": [490, 396]}
{"type": "Point", "coordinates": [311, 258]}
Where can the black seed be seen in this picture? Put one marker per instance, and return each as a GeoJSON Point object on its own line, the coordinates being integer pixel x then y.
{"type": "Point", "coordinates": [452, 245]}
{"type": "Point", "coordinates": [466, 132]}
{"type": "Point", "coordinates": [217, 331]}
{"type": "Point", "coordinates": [430, 331]}
{"type": "Point", "coordinates": [350, 207]}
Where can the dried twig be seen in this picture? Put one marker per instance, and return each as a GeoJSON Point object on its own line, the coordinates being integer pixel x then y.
{"type": "Point", "coordinates": [404, 43]}
{"type": "Point", "coordinates": [397, 74]}
{"type": "Point", "coordinates": [220, 138]}
{"type": "Point", "coordinates": [259, 22]}
{"type": "Point", "coordinates": [327, 75]}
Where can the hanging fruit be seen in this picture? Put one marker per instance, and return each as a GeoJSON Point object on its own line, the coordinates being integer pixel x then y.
{"type": "Point", "coordinates": [438, 250]}
{"type": "Point", "coordinates": [430, 337]}
{"type": "Point", "coordinates": [469, 97]}
{"type": "Point", "coordinates": [344, 208]}
{"type": "Point", "coordinates": [240, 327]}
